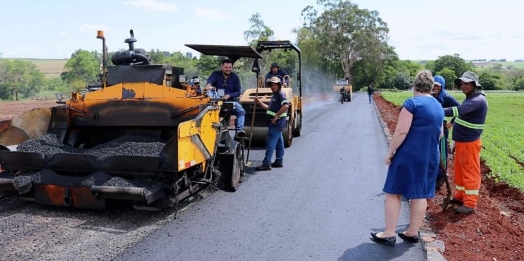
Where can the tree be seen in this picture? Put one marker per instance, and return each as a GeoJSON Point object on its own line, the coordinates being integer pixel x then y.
{"type": "Point", "coordinates": [457, 64]}
{"type": "Point", "coordinates": [519, 84]}
{"type": "Point", "coordinates": [402, 81]}
{"type": "Point", "coordinates": [82, 68]}
{"type": "Point", "coordinates": [258, 31]}
{"type": "Point", "coordinates": [344, 31]}
{"type": "Point", "coordinates": [490, 81]}
{"type": "Point", "coordinates": [207, 64]}
{"type": "Point", "coordinates": [408, 67]}
{"type": "Point", "coordinates": [449, 76]}
{"type": "Point", "coordinates": [19, 79]}
{"type": "Point", "coordinates": [371, 69]}
{"type": "Point", "coordinates": [156, 56]}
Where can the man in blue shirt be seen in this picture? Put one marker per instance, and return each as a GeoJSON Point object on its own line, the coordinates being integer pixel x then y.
{"type": "Point", "coordinates": [276, 71]}
{"type": "Point", "coordinates": [227, 82]}
{"type": "Point", "coordinates": [276, 121]}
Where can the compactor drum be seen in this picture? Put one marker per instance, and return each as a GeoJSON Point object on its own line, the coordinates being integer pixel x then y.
{"type": "Point", "coordinates": [141, 137]}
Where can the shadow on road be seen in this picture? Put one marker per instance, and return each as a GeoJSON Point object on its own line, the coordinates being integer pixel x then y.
{"type": "Point", "coordinates": [375, 251]}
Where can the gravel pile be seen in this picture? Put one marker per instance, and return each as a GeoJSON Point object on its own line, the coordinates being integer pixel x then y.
{"type": "Point", "coordinates": [143, 146]}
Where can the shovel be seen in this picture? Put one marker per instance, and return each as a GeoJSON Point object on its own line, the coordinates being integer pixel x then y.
{"type": "Point", "coordinates": [248, 163]}
{"type": "Point", "coordinates": [443, 166]}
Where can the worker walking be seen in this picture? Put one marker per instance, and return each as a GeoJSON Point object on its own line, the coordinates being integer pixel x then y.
{"type": "Point", "coordinates": [276, 121]}
{"type": "Point", "coordinates": [467, 131]}
{"type": "Point", "coordinates": [370, 92]}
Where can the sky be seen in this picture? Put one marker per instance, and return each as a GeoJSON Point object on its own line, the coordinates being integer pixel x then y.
{"type": "Point", "coordinates": [419, 29]}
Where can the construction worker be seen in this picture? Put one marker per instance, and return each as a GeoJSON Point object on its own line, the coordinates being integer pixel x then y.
{"type": "Point", "coordinates": [276, 71]}
{"type": "Point", "coordinates": [227, 82]}
{"type": "Point", "coordinates": [467, 131]}
{"type": "Point", "coordinates": [276, 121]}
{"type": "Point", "coordinates": [370, 92]}
{"type": "Point", "coordinates": [195, 85]}
{"type": "Point", "coordinates": [446, 101]}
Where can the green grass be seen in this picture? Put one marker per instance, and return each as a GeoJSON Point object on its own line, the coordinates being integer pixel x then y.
{"type": "Point", "coordinates": [50, 67]}
{"type": "Point", "coordinates": [502, 139]}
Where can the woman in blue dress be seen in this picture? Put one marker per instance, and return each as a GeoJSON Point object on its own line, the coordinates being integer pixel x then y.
{"type": "Point", "coordinates": [413, 159]}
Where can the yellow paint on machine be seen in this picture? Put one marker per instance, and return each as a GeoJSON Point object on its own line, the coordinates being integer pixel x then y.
{"type": "Point", "coordinates": [196, 143]}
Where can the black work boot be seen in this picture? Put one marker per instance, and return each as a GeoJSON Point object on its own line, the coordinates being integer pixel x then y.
{"type": "Point", "coordinates": [241, 133]}
{"type": "Point", "coordinates": [465, 210]}
{"type": "Point", "coordinates": [263, 167]}
{"type": "Point", "coordinates": [277, 164]}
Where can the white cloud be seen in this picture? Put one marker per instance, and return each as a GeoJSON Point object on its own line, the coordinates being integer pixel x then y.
{"type": "Point", "coordinates": [66, 35]}
{"type": "Point", "coordinates": [212, 14]}
{"type": "Point", "coordinates": [153, 5]}
{"type": "Point", "coordinates": [92, 28]}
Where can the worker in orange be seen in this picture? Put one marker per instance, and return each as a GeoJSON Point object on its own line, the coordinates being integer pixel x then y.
{"type": "Point", "coordinates": [467, 131]}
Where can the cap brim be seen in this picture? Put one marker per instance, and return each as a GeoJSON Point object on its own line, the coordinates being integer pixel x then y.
{"type": "Point", "coordinates": [438, 83]}
{"type": "Point", "coordinates": [464, 79]}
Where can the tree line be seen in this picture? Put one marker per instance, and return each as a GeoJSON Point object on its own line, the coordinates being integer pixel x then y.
{"type": "Point", "coordinates": [338, 39]}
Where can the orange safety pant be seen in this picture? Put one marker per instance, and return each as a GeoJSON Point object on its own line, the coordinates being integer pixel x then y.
{"type": "Point", "coordinates": [467, 172]}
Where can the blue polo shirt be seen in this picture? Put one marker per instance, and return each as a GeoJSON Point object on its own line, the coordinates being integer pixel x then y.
{"type": "Point", "coordinates": [280, 74]}
{"type": "Point", "coordinates": [277, 101]}
{"type": "Point", "coordinates": [231, 85]}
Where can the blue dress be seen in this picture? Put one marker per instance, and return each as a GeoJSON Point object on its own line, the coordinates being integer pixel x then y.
{"type": "Point", "coordinates": [415, 164]}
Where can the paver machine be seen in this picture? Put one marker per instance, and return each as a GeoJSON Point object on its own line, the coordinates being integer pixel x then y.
{"type": "Point", "coordinates": [140, 137]}
{"type": "Point", "coordinates": [293, 91]}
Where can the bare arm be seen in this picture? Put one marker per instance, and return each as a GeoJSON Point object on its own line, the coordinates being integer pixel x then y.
{"type": "Point", "coordinates": [404, 123]}
{"type": "Point", "coordinates": [282, 110]}
{"type": "Point", "coordinates": [261, 104]}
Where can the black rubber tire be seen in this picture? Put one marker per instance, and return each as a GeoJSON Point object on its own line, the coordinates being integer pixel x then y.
{"type": "Point", "coordinates": [298, 128]}
{"type": "Point", "coordinates": [288, 135]}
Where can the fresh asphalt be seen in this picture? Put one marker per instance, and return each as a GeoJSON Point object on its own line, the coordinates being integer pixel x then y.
{"type": "Point", "coordinates": [321, 206]}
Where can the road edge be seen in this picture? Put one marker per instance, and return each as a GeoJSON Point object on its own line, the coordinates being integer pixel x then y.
{"type": "Point", "coordinates": [432, 247]}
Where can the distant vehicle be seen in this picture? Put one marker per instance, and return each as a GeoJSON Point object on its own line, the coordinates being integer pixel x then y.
{"type": "Point", "coordinates": [348, 95]}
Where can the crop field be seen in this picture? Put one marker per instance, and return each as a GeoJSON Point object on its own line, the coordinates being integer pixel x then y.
{"type": "Point", "coordinates": [50, 67]}
{"type": "Point", "coordinates": [502, 139]}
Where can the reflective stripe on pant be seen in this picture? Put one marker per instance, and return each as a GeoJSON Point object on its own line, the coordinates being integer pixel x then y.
{"type": "Point", "coordinates": [467, 172]}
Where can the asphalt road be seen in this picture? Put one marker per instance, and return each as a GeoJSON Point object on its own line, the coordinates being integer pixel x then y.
{"type": "Point", "coordinates": [321, 206]}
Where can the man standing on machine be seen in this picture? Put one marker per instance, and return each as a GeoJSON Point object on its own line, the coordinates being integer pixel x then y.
{"type": "Point", "coordinates": [226, 84]}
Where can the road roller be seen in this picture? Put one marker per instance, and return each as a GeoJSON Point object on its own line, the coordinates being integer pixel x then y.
{"type": "Point", "coordinates": [256, 116]}
{"type": "Point", "coordinates": [139, 137]}
{"type": "Point", "coordinates": [293, 92]}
